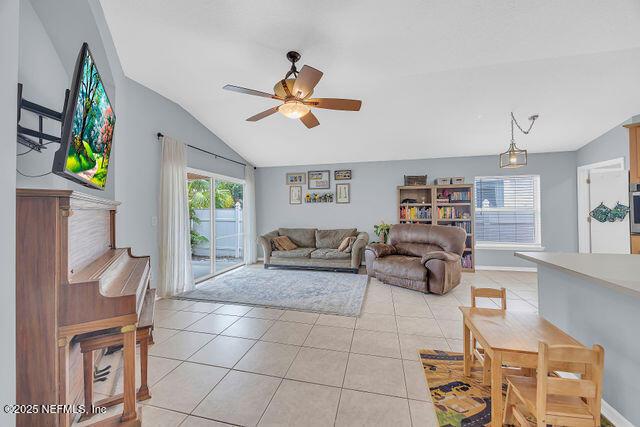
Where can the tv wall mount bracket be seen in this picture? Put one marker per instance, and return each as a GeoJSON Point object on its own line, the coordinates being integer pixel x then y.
{"type": "Point", "coordinates": [25, 135]}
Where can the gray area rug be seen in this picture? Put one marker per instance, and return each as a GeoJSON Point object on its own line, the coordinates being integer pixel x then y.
{"type": "Point", "coordinates": [319, 291]}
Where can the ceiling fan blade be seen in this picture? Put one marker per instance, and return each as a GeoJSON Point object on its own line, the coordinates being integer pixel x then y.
{"type": "Point", "coordinates": [309, 120]}
{"type": "Point", "coordinates": [306, 81]}
{"type": "Point", "coordinates": [335, 103]}
{"type": "Point", "coordinates": [244, 90]}
{"type": "Point", "coordinates": [262, 115]}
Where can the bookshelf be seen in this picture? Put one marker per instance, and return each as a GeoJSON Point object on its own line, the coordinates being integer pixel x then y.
{"type": "Point", "coordinates": [450, 205]}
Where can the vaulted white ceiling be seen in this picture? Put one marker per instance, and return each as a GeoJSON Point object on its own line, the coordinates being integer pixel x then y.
{"type": "Point", "coordinates": [437, 78]}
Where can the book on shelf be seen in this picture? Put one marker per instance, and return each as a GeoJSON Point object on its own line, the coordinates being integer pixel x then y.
{"type": "Point", "coordinates": [451, 212]}
{"type": "Point", "coordinates": [448, 196]}
{"type": "Point", "coordinates": [413, 212]}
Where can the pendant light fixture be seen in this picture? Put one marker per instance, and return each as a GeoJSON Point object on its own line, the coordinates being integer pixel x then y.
{"type": "Point", "coordinates": [514, 157]}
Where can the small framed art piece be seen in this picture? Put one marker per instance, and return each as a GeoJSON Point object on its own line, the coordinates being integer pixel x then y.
{"type": "Point", "coordinates": [296, 178]}
{"type": "Point", "coordinates": [342, 174]}
{"type": "Point", "coordinates": [319, 180]}
{"type": "Point", "coordinates": [343, 193]}
{"type": "Point", "coordinates": [295, 195]}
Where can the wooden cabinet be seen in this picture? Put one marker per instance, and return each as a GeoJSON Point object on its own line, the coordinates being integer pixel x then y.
{"type": "Point", "coordinates": [634, 152]}
{"type": "Point", "coordinates": [635, 244]}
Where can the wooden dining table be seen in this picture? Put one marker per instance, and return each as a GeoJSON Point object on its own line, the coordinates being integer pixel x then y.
{"type": "Point", "coordinates": [508, 338]}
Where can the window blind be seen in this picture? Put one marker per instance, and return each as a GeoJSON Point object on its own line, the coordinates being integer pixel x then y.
{"type": "Point", "coordinates": [508, 209]}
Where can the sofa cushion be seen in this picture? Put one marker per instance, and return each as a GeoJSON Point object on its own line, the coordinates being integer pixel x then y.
{"type": "Point", "coordinates": [401, 266]}
{"type": "Point", "coordinates": [331, 239]}
{"type": "Point", "coordinates": [295, 253]}
{"type": "Point", "coordinates": [302, 237]}
{"type": "Point", "coordinates": [328, 253]}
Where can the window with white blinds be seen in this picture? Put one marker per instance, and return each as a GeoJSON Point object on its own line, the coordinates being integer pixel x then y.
{"type": "Point", "coordinates": [508, 210]}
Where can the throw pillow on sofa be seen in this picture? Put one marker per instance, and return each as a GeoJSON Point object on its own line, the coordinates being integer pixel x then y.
{"type": "Point", "coordinates": [346, 244]}
{"type": "Point", "coordinates": [283, 243]}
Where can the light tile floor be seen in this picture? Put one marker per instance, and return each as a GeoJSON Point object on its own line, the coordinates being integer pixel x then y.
{"type": "Point", "coordinates": [215, 364]}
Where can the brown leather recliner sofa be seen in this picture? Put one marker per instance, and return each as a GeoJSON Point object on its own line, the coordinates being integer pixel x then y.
{"type": "Point", "coordinates": [421, 257]}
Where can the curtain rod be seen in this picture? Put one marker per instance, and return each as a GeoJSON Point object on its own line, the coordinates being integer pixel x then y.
{"type": "Point", "coordinates": [217, 156]}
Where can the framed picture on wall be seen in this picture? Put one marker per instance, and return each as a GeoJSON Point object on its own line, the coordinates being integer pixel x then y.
{"type": "Point", "coordinates": [342, 174]}
{"type": "Point", "coordinates": [296, 178]}
{"type": "Point", "coordinates": [295, 195]}
{"type": "Point", "coordinates": [343, 193]}
{"type": "Point", "coordinates": [319, 180]}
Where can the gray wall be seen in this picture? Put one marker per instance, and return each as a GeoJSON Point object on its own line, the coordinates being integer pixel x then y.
{"type": "Point", "coordinates": [137, 155]}
{"type": "Point", "coordinates": [374, 197]}
{"type": "Point", "coordinates": [45, 77]}
{"type": "Point", "coordinates": [51, 35]}
{"type": "Point", "coordinates": [594, 313]}
{"type": "Point", "coordinates": [610, 145]}
{"type": "Point", "coordinates": [9, 18]}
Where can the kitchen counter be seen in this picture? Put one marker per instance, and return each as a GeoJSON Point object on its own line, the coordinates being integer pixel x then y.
{"type": "Point", "coordinates": [621, 272]}
{"type": "Point", "coordinates": [595, 298]}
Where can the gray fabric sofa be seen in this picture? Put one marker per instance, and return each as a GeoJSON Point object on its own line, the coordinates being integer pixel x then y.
{"type": "Point", "coordinates": [317, 249]}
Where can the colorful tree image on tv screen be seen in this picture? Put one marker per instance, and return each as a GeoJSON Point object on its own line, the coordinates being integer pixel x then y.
{"type": "Point", "coordinates": [92, 132]}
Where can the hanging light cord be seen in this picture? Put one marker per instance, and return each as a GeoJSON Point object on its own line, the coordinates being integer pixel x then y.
{"type": "Point", "coordinates": [526, 132]}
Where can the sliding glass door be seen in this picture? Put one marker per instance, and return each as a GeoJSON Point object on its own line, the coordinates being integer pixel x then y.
{"type": "Point", "coordinates": [229, 233]}
{"type": "Point", "coordinates": [200, 208]}
{"type": "Point", "coordinates": [217, 229]}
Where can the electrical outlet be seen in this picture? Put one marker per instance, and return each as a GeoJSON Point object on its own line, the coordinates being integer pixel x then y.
{"type": "Point", "coordinates": [154, 221]}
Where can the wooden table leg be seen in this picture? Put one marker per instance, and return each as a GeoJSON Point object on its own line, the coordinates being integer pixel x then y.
{"type": "Point", "coordinates": [143, 391]}
{"type": "Point", "coordinates": [486, 370]}
{"type": "Point", "coordinates": [496, 389]}
{"type": "Point", "coordinates": [467, 349]}
{"type": "Point", "coordinates": [129, 359]}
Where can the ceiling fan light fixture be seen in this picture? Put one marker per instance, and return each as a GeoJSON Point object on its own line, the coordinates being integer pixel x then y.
{"type": "Point", "coordinates": [293, 109]}
{"type": "Point", "coordinates": [294, 91]}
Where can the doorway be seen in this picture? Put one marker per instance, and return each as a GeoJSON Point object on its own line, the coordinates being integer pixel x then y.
{"type": "Point", "coordinates": [216, 225]}
{"type": "Point", "coordinates": [608, 183]}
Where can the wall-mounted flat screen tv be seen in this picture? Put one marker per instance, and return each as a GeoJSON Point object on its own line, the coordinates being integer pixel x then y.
{"type": "Point", "coordinates": [87, 128]}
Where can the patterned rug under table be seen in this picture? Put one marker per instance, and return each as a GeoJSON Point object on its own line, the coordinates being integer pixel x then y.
{"type": "Point", "coordinates": [318, 291]}
{"type": "Point", "coordinates": [459, 400]}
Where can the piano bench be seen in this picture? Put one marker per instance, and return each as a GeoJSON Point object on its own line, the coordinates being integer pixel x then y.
{"type": "Point", "coordinates": [109, 338]}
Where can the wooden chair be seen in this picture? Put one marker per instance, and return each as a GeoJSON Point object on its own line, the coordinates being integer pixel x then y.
{"type": "Point", "coordinates": [554, 400]}
{"type": "Point", "coordinates": [478, 353]}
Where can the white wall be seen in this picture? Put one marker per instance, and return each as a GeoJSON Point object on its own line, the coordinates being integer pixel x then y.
{"type": "Point", "coordinates": [374, 197]}
{"type": "Point", "coordinates": [52, 33]}
{"type": "Point", "coordinates": [9, 18]}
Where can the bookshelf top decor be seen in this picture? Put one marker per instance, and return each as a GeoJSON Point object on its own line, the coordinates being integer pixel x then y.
{"type": "Point", "coordinates": [415, 180]}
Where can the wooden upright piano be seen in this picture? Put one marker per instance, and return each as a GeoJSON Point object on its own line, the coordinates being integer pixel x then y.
{"type": "Point", "coordinates": [71, 280]}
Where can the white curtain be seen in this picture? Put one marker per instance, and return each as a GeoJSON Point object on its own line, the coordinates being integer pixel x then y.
{"type": "Point", "coordinates": [249, 217]}
{"type": "Point", "coordinates": [175, 241]}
